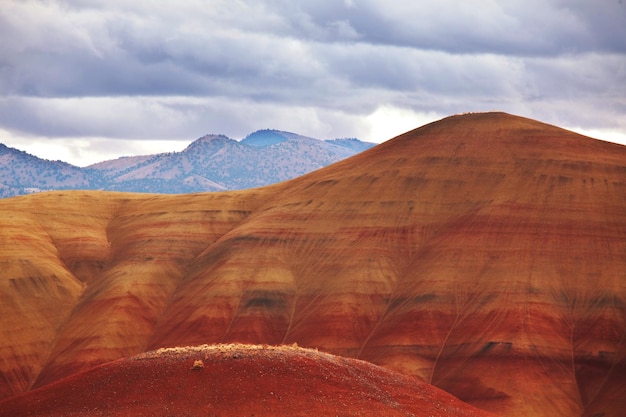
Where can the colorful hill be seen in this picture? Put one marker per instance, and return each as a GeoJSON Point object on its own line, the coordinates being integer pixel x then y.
{"type": "Point", "coordinates": [482, 254]}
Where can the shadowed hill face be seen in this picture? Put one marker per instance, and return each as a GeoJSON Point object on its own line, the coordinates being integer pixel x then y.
{"type": "Point", "coordinates": [483, 254]}
{"type": "Point", "coordinates": [238, 380]}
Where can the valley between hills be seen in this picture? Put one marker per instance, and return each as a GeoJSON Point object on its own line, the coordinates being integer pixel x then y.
{"type": "Point", "coordinates": [474, 266]}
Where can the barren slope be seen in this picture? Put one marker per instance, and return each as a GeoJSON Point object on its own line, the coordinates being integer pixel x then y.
{"type": "Point", "coordinates": [238, 380]}
{"type": "Point", "coordinates": [86, 275]}
{"type": "Point", "coordinates": [483, 253]}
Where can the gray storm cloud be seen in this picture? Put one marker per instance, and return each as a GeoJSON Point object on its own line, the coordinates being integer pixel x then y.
{"type": "Point", "coordinates": [163, 70]}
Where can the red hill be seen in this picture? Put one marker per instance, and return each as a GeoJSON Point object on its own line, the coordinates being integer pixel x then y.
{"type": "Point", "coordinates": [238, 380]}
{"type": "Point", "coordinates": [483, 254]}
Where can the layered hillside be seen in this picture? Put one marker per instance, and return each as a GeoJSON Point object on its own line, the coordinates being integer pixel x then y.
{"type": "Point", "coordinates": [483, 254]}
{"type": "Point", "coordinates": [238, 380]}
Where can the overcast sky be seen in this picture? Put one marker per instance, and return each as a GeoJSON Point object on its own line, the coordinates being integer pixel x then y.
{"type": "Point", "coordinates": [89, 80]}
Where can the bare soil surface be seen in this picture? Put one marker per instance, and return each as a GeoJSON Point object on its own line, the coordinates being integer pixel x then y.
{"type": "Point", "coordinates": [237, 380]}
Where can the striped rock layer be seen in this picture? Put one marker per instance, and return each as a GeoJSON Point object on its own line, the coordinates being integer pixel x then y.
{"type": "Point", "coordinates": [484, 254]}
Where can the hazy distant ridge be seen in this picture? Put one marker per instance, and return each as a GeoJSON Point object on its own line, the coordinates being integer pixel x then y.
{"type": "Point", "coordinates": [210, 163]}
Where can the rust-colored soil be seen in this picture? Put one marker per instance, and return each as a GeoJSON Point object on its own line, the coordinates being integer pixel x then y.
{"type": "Point", "coordinates": [238, 380]}
{"type": "Point", "coordinates": [483, 254]}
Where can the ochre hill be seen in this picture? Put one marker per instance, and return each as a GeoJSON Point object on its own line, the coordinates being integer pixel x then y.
{"type": "Point", "coordinates": [483, 254]}
{"type": "Point", "coordinates": [238, 380]}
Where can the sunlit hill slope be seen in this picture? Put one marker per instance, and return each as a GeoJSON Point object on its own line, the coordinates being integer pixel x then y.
{"type": "Point", "coordinates": [484, 254]}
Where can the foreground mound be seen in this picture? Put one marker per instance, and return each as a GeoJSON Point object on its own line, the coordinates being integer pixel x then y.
{"type": "Point", "coordinates": [237, 380]}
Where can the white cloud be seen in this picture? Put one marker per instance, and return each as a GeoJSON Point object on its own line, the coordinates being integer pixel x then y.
{"type": "Point", "coordinates": [602, 134]}
{"type": "Point", "coordinates": [390, 121]}
{"type": "Point", "coordinates": [89, 150]}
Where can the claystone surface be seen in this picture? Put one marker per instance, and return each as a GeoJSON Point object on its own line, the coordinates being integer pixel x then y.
{"type": "Point", "coordinates": [483, 254]}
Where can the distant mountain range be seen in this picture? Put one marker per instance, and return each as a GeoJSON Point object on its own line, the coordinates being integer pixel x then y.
{"type": "Point", "coordinates": [211, 163]}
